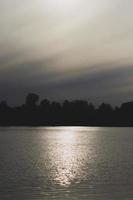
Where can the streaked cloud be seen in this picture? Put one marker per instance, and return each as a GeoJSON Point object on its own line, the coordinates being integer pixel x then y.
{"type": "Point", "coordinates": [47, 44]}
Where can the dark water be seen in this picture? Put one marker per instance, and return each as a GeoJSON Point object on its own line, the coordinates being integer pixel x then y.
{"type": "Point", "coordinates": [66, 163]}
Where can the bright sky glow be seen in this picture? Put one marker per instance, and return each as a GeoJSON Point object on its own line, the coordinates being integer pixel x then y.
{"type": "Point", "coordinates": [62, 45]}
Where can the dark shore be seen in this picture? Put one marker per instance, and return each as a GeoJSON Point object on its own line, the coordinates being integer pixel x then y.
{"type": "Point", "coordinates": [69, 113]}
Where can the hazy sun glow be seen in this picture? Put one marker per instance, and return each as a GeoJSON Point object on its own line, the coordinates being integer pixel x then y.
{"type": "Point", "coordinates": [73, 8]}
{"type": "Point", "coordinates": [63, 7]}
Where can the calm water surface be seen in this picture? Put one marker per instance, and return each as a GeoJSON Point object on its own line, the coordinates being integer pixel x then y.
{"type": "Point", "coordinates": [66, 163]}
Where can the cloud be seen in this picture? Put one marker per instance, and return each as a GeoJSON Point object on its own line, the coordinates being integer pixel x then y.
{"type": "Point", "coordinates": [87, 47]}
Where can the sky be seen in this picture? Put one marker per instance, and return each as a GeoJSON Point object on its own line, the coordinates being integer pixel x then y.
{"type": "Point", "coordinates": [66, 49]}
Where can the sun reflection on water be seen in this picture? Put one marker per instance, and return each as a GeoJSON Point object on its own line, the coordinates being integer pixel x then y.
{"type": "Point", "coordinates": [64, 157]}
{"type": "Point", "coordinates": [69, 154]}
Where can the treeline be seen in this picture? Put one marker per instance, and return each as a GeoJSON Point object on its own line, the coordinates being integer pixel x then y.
{"type": "Point", "coordinates": [69, 113]}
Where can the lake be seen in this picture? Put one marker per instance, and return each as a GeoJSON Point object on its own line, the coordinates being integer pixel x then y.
{"type": "Point", "coordinates": [66, 163]}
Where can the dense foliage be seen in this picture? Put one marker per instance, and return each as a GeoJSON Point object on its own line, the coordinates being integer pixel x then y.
{"type": "Point", "coordinates": [77, 112]}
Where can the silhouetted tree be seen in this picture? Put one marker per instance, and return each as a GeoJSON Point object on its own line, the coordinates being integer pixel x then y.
{"type": "Point", "coordinates": [45, 104]}
{"type": "Point", "coordinates": [76, 112]}
{"type": "Point", "coordinates": [4, 105]}
{"type": "Point", "coordinates": [105, 108]}
{"type": "Point", "coordinates": [31, 100]}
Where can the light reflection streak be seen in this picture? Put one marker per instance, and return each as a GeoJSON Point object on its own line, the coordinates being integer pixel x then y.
{"type": "Point", "coordinates": [64, 156]}
{"type": "Point", "coordinates": [67, 156]}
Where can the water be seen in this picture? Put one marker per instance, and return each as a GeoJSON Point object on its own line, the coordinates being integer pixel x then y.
{"type": "Point", "coordinates": [66, 163]}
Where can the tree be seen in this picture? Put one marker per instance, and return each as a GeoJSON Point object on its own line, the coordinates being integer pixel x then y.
{"type": "Point", "coordinates": [4, 105]}
{"type": "Point", "coordinates": [31, 100]}
{"type": "Point", "coordinates": [45, 103]}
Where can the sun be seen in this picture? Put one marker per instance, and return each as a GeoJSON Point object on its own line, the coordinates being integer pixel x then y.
{"type": "Point", "coordinates": [68, 9]}
{"type": "Point", "coordinates": [63, 7]}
